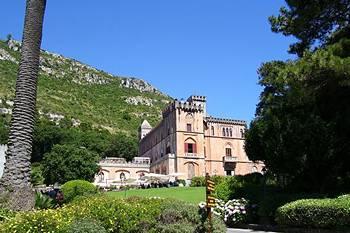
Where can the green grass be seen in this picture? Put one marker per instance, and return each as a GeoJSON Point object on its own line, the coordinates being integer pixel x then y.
{"type": "Point", "coordinates": [190, 194]}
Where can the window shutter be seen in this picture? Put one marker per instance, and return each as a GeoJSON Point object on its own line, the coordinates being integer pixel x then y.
{"type": "Point", "coordinates": [186, 147]}
{"type": "Point", "coordinates": [194, 148]}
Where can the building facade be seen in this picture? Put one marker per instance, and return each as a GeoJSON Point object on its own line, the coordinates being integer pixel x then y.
{"type": "Point", "coordinates": [113, 170]}
{"type": "Point", "coordinates": [190, 143]}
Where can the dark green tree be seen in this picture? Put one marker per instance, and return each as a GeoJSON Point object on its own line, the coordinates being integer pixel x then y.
{"type": "Point", "coordinates": [122, 146]}
{"type": "Point", "coordinates": [66, 162]}
{"type": "Point", "coordinates": [46, 135]}
{"type": "Point", "coordinates": [311, 22]}
{"type": "Point", "coordinates": [302, 125]}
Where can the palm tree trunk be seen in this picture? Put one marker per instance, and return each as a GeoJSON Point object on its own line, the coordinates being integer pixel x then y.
{"type": "Point", "coordinates": [17, 168]}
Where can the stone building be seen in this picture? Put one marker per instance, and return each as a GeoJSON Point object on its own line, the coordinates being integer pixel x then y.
{"type": "Point", "coordinates": [113, 170]}
{"type": "Point", "coordinates": [189, 142]}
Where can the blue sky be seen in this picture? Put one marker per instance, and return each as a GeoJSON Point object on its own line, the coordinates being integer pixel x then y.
{"type": "Point", "coordinates": [182, 47]}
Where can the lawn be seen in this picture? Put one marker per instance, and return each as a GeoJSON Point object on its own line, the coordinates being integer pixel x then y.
{"type": "Point", "coordinates": [190, 194]}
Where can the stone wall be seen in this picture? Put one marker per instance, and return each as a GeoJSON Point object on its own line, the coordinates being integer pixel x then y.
{"type": "Point", "coordinates": [3, 149]}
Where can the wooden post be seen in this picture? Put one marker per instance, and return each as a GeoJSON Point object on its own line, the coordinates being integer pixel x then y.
{"type": "Point", "coordinates": [210, 201]}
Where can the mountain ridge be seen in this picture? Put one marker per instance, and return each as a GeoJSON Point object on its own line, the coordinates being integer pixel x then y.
{"type": "Point", "coordinates": [70, 89]}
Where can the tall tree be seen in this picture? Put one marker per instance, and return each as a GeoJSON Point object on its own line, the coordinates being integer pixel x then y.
{"type": "Point", "coordinates": [16, 177]}
{"type": "Point", "coordinates": [302, 124]}
{"type": "Point", "coordinates": [311, 22]}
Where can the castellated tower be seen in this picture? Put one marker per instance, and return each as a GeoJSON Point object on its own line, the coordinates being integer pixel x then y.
{"type": "Point", "coordinates": [199, 100]}
{"type": "Point", "coordinates": [144, 129]}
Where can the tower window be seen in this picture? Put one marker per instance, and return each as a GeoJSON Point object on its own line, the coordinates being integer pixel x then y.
{"type": "Point", "coordinates": [228, 151]}
{"type": "Point", "coordinates": [223, 132]}
{"type": "Point", "coordinates": [230, 132]}
{"type": "Point", "coordinates": [212, 130]}
{"type": "Point", "coordinates": [189, 128]}
{"type": "Point", "coordinates": [190, 148]}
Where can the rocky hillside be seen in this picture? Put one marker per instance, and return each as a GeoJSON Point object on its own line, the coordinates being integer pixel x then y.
{"type": "Point", "coordinates": [71, 91]}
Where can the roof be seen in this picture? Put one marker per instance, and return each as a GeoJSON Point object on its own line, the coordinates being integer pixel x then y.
{"type": "Point", "coordinates": [146, 125]}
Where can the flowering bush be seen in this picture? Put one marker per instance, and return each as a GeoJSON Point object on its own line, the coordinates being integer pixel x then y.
{"type": "Point", "coordinates": [232, 212]}
{"type": "Point", "coordinates": [134, 215]}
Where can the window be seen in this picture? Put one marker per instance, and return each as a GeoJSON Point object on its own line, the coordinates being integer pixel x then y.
{"type": "Point", "coordinates": [101, 177]}
{"type": "Point", "coordinates": [223, 132]}
{"type": "Point", "coordinates": [242, 133]}
{"type": "Point", "coordinates": [122, 176]}
{"type": "Point", "coordinates": [212, 130]}
{"type": "Point", "coordinates": [227, 134]}
{"type": "Point", "coordinates": [189, 128]}
{"type": "Point", "coordinates": [228, 152]}
{"type": "Point", "coordinates": [190, 148]}
{"type": "Point", "coordinates": [230, 132]}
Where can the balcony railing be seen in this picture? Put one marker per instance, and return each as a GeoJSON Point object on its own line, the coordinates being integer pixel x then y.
{"type": "Point", "coordinates": [230, 159]}
{"type": "Point", "coordinates": [191, 155]}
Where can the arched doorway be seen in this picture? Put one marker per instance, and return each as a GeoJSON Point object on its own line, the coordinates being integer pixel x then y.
{"type": "Point", "coordinates": [192, 169]}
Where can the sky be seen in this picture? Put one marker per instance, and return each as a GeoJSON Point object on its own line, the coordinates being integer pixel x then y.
{"type": "Point", "coordinates": [182, 47]}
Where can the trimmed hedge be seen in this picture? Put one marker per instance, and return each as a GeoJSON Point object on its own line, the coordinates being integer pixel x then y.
{"type": "Point", "coordinates": [198, 181]}
{"type": "Point", "coordinates": [315, 213]}
{"type": "Point", "coordinates": [134, 215]}
{"type": "Point", "coordinates": [74, 188]}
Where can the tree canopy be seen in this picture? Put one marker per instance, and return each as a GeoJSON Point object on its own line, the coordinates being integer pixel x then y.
{"type": "Point", "coordinates": [67, 162]}
{"type": "Point", "coordinates": [311, 22]}
{"type": "Point", "coordinates": [302, 125]}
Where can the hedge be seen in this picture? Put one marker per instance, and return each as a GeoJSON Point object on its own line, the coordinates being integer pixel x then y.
{"type": "Point", "coordinates": [74, 188]}
{"type": "Point", "coordinates": [114, 215]}
{"type": "Point", "coordinates": [315, 213]}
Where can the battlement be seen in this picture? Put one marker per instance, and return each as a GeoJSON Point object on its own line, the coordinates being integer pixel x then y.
{"type": "Point", "coordinates": [187, 106]}
{"type": "Point", "coordinates": [198, 98]}
{"type": "Point", "coordinates": [225, 121]}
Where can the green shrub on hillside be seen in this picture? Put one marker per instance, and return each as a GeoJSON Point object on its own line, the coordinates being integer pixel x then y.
{"type": "Point", "coordinates": [315, 213]}
{"type": "Point", "coordinates": [75, 188]}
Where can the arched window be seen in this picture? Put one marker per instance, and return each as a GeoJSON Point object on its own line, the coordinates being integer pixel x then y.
{"type": "Point", "coordinates": [101, 177]}
{"type": "Point", "coordinates": [228, 149]}
{"type": "Point", "coordinates": [223, 132]}
{"type": "Point", "coordinates": [230, 132]}
{"type": "Point", "coordinates": [122, 176]}
{"type": "Point", "coordinates": [212, 130]}
{"type": "Point", "coordinates": [227, 134]}
{"type": "Point", "coordinates": [242, 133]}
{"type": "Point", "coordinates": [190, 146]}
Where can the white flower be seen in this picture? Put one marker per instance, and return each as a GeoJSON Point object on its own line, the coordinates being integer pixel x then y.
{"type": "Point", "coordinates": [202, 205]}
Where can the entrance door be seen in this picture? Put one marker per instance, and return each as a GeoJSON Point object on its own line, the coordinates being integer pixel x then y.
{"type": "Point", "coordinates": [191, 172]}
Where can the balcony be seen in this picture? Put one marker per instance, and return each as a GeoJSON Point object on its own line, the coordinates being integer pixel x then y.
{"type": "Point", "coordinates": [229, 159]}
{"type": "Point", "coordinates": [192, 155]}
